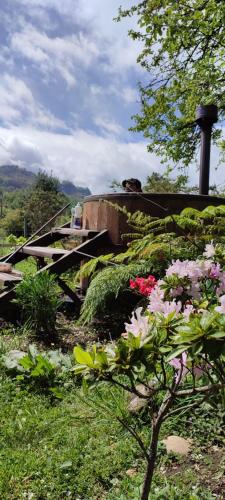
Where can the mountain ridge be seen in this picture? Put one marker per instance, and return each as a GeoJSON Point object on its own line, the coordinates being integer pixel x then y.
{"type": "Point", "coordinates": [13, 177]}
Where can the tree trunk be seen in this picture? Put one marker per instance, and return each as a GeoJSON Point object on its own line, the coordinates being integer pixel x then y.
{"type": "Point", "coordinates": [152, 451]}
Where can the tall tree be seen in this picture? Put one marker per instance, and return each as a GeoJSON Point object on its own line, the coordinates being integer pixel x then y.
{"type": "Point", "coordinates": [163, 183]}
{"type": "Point", "coordinates": [183, 53]}
{"type": "Point", "coordinates": [45, 182]}
{"type": "Point", "coordinates": [44, 201]}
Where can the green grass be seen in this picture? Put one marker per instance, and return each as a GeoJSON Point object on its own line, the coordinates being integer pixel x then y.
{"type": "Point", "coordinates": [57, 451]}
{"type": "Point", "coordinates": [75, 448]}
{"type": "Point", "coordinates": [27, 266]}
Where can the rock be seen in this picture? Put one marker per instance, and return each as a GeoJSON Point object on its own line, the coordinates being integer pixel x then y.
{"type": "Point", "coordinates": [131, 472]}
{"type": "Point", "coordinates": [137, 403]}
{"type": "Point", "coordinates": [5, 268]}
{"type": "Point", "coordinates": [178, 445]}
{"type": "Point", "coordinates": [12, 359]}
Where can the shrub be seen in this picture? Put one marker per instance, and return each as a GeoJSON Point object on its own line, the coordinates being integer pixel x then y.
{"type": "Point", "coordinates": [172, 355]}
{"type": "Point", "coordinates": [38, 298]}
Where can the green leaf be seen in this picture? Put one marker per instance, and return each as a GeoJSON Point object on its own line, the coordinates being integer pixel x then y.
{"type": "Point", "coordinates": [77, 370]}
{"type": "Point", "coordinates": [83, 357]}
{"type": "Point", "coordinates": [207, 320]}
{"type": "Point", "coordinates": [134, 341]}
{"type": "Point", "coordinates": [164, 350]}
{"type": "Point", "coordinates": [66, 465]}
{"type": "Point", "coordinates": [176, 353]}
{"type": "Point", "coordinates": [26, 363]}
{"type": "Point", "coordinates": [217, 335]}
{"type": "Point", "coordinates": [56, 392]}
{"type": "Point", "coordinates": [196, 348]}
{"type": "Point", "coordinates": [85, 386]}
{"type": "Point", "coordinates": [101, 358]}
{"type": "Point", "coordinates": [32, 351]}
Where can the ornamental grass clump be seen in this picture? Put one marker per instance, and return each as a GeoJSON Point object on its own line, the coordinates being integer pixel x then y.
{"type": "Point", "coordinates": [37, 297]}
{"type": "Point", "coordinates": [174, 349]}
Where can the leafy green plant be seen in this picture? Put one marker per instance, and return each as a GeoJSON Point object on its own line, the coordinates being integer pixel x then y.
{"type": "Point", "coordinates": [190, 224]}
{"type": "Point", "coordinates": [35, 368]}
{"type": "Point", "coordinates": [38, 299]}
{"type": "Point", "coordinates": [75, 448]}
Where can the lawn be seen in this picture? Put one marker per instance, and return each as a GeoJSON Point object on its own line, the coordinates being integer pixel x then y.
{"type": "Point", "coordinates": [75, 447]}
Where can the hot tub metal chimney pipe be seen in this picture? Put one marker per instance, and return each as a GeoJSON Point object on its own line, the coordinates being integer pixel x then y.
{"type": "Point", "coordinates": [206, 116]}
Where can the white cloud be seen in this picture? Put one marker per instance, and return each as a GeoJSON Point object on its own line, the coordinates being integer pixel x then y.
{"type": "Point", "coordinates": [119, 50]}
{"type": "Point", "coordinates": [84, 158]}
{"type": "Point", "coordinates": [108, 126]}
{"type": "Point", "coordinates": [55, 55]}
{"type": "Point", "coordinates": [17, 104]}
{"type": "Point", "coordinates": [127, 93]}
{"type": "Point", "coordinates": [24, 153]}
{"type": "Point", "coordinates": [96, 17]}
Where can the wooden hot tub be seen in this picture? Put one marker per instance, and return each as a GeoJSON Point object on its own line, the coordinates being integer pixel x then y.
{"type": "Point", "coordinates": [98, 215]}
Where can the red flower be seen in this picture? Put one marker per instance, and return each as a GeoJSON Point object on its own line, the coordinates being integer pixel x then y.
{"type": "Point", "coordinates": [143, 285]}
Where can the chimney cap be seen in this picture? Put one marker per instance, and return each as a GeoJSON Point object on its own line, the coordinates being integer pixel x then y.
{"type": "Point", "coordinates": [207, 114]}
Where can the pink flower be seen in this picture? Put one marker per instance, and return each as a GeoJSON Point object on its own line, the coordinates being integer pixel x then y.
{"type": "Point", "coordinates": [215, 271]}
{"type": "Point", "coordinates": [138, 326]}
{"type": "Point", "coordinates": [221, 308]}
{"type": "Point", "coordinates": [169, 307]}
{"type": "Point", "coordinates": [194, 291]}
{"type": "Point", "coordinates": [176, 291]}
{"type": "Point", "coordinates": [221, 288]}
{"type": "Point", "coordinates": [180, 365]}
{"type": "Point", "coordinates": [189, 309]}
{"type": "Point", "coordinates": [156, 299]}
{"type": "Point", "coordinates": [209, 251]}
{"type": "Point", "coordinates": [133, 284]}
{"type": "Point", "coordinates": [189, 268]}
{"type": "Point", "coordinates": [193, 269]}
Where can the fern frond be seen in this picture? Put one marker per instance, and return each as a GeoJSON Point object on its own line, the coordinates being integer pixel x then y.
{"type": "Point", "coordinates": [191, 213]}
{"type": "Point", "coordinates": [131, 236]}
{"type": "Point", "coordinates": [107, 285]}
{"type": "Point", "coordinates": [125, 256]}
{"type": "Point", "coordinates": [90, 267]}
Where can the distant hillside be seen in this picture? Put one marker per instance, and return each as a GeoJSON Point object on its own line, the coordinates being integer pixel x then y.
{"type": "Point", "coordinates": [13, 177]}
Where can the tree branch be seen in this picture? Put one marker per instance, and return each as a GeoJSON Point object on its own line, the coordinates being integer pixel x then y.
{"type": "Point", "coordinates": [199, 390]}
{"type": "Point", "coordinates": [135, 435]}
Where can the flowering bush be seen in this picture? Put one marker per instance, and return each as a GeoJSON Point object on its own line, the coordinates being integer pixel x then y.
{"type": "Point", "coordinates": [176, 347]}
{"type": "Point", "coordinates": [143, 285]}
{"type": "Point", "coordinates": [190, 286]}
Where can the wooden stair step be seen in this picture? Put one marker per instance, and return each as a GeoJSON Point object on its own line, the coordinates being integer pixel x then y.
{"type": "Point", "coordinates": [44, 240]}
{"type": "Point", "coordinates": [43, 251]}
{"type": "Point", "coordinates": [82, 233]}
{"type": "Point", "coordinates": [68, 260]}
{"type": "Point", "coordinates": [8, 278]}
{"type": "Point", "coordinates": [88, 248]}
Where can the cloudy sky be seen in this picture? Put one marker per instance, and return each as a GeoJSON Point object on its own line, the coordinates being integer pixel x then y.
{"type": "Point", "coordinates": [68, 89]}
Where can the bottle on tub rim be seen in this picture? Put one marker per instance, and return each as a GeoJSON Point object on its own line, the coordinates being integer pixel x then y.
{"type": "Point", "coordinates": [76, 216]}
